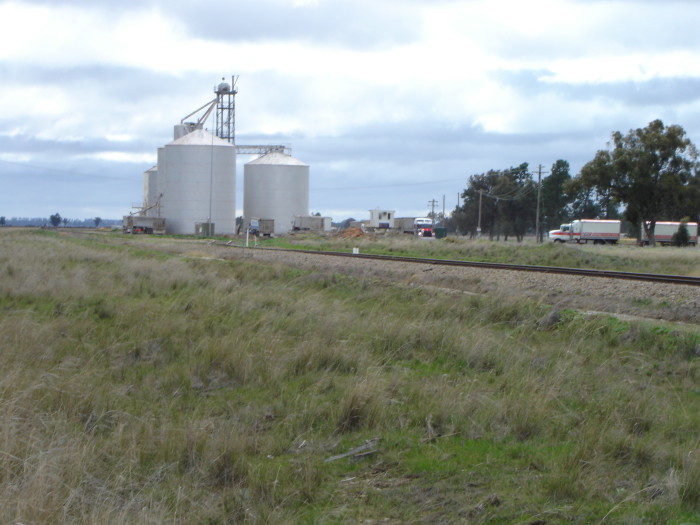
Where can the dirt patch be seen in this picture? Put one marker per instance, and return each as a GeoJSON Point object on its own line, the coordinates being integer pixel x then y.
{"type": "Point", "coordinates": [351, 233]}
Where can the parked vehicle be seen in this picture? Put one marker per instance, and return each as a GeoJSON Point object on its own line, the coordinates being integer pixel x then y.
{"type": "Point", "coordinates": [663, 233]}
{"type": "Point", "coordinates": [583, 231]}
{"type": "Point", "coordinates": [261, 227]}
{"type": "Point", "coordinates": [563, 234]}
{"type": "Point", "coordinates": [423, 227]}
{"type": "Point", "coordinates": [139, 224]}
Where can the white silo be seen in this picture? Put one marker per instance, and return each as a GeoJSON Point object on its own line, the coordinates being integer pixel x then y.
{"type": "Point", "coordinates": [275, 186]}
{"type": "Point", "coordinates": [150, 191]}
{"type": "Point", "coordinates": [197, 181]}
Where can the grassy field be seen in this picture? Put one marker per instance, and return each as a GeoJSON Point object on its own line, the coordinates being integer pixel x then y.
{"type": "Point", "coordinates": [623, 257]}
{"type": "Point", "coordinates": [141, 386]}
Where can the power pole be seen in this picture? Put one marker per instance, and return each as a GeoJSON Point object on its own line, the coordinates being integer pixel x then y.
{"type": "Point", "coordinates": [539, 197]}
{"type": "Point", "coordinates": [432, 203]}
{"type": "Point", "coordinates": [478, 226]}
{"type": "Point", "coordinates": [443, 211]}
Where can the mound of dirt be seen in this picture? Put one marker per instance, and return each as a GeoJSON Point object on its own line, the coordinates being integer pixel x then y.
{"type": "Point", "coordinates": [351, 233]}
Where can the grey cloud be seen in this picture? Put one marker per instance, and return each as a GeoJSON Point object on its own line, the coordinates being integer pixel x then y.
{"type": "Point", "coordinates": [635, 30]}
{"type": "Point", "coordinates": [642, 93]}
{"type": "Point", "coordinates": [357, 24]}
{"type": "Point", "coordinates": [115, 100]}
{"type": "Point", "coordinates": [69, 188]}
{"type": "Point", "coordinates": [351, 23]}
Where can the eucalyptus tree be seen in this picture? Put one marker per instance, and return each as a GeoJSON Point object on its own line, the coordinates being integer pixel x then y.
{"type": "Point", "coordinates": [555, 198]}
{"type": "Point", "coordinates": [502, 202]}
{"type": "Point", "coordinates": [652, 171]}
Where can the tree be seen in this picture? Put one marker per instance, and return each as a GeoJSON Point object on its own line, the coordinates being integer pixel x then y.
{"type": "Point", "coordinates": [477, 210]}
{"type": "Point", "coordinates": [506, 198]}
{"type": "Point", "coordinates": [344, 225]}
{"type": "Point", "coordinates": [2, 220]}
{"type": "Point", "coordinates": [66, 220]}
{"type": "Point", "coordinates": [555, 199]}
{"type": "Point", "coordinates": [519, 202]}
{"type": "Point", "coordinates": [585, 202]}
{"type": "Point", "coordinates": [681, 237]}
{"type": "Point", "coordinates": [651, 171]}
{"type": "Point", "coordinates": [97, 221]}
{"type": "Point", "coordinates": [55, 220]}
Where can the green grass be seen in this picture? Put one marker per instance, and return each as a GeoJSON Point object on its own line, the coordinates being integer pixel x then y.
{"type": "Point", "coordinates": [141, 386]}
{"type": "Point", "coordinates": [632, 258]}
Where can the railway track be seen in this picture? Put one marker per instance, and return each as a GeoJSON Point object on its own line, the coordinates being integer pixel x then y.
{"type": "Point", "coordinates": [611, 274]}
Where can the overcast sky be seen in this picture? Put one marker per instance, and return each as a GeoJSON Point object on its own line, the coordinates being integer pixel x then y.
{"type": "Point", "coordinates": [392, 103]}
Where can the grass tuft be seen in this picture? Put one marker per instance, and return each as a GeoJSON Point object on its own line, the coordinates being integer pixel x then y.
{"type": "Point", "coordinates": [139, 385]}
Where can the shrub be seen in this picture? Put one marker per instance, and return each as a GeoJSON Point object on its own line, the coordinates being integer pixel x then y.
{"type": "Point", "coordinates": [681, 237]}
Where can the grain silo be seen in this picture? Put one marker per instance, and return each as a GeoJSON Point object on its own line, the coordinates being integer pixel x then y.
{"type": "Point", "coordinates": [197, 183]}
{"type": "Point", "coordinates": [150, 192]}
{"type": "Point", "coordinates": [276, 186]}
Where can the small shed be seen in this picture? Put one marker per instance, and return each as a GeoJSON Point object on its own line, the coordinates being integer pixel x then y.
{"type": "Point", "coordinates": [381, 218]}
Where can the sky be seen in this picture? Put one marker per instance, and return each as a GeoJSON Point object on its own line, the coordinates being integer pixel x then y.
{"type": "Point", "coordinates": [392, 103]}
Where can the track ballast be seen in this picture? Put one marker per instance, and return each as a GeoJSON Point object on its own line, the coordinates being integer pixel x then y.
{"type": "Point", "coordinates": [612, 274]}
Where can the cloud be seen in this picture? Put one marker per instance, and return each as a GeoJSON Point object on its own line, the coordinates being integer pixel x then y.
{"type": "Point", "coordinates": [358, 24]}
{"type": "Point", "coordinates": [393, 94]}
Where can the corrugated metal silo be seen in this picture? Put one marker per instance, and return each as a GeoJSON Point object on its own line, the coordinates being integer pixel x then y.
{"type": "Point", "coordinates": [197, 180]}
{"type": "Point", "coordinates": [150, 191]}
{"type": "Point", "coordinates": [276, 186]}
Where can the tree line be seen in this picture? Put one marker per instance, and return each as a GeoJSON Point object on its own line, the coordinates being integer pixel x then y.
{"type": "Point", "coordinates": [57, 220]}
{"type": "Point", "coordinates": [647, 175]}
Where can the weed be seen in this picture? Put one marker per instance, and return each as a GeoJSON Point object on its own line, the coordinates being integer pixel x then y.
{"type": "Point", "coordinates": [689, 485]}
{"type": "Point", "coordinates": [141, 386]}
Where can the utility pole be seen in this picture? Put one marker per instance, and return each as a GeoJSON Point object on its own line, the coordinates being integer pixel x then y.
{"type": "Point", "coordinates": [432, 203]}
{"type": "Point", "coordinates": [539, 197]}
{"type": "Point", "coordinates": [443, 211]}
{"type": "Point", "coordinates": [478, 226]}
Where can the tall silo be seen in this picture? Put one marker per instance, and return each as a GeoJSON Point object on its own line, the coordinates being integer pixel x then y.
{"type": "Point", "coordinates": [197, 181]}
{"type": "Point", "coordinates": [275, 186]}
{"type": "Point", "coordinates": [150, 191]}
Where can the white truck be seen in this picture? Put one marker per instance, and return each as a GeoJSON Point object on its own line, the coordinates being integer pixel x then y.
{"type": "Point", "coordinates": [583, 231]}
{"type": "Point", "coordinates": [423, 226]}
{"type": "Point", "coordinates": [561, 235]}
{"type": "Point", "coordinates": [663, 232]}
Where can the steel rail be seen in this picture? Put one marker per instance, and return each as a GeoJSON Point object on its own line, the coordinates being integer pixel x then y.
{"type": "Point", "coordinates": [612, 274]}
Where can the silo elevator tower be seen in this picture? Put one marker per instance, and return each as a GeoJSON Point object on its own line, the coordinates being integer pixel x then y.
{"type": "Point", "coordinates": [226, 110]}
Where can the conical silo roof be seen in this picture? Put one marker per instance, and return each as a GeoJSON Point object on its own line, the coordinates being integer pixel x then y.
{"type": "Point", "coordinates": [199, 137]}
{"type": "Point", "coordinates": [277, 158]}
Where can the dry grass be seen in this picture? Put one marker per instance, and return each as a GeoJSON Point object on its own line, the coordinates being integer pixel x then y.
{"type": "Point", "coordinates": [624, 257]}
{"type": "Point", "coordinates": [138, 386]}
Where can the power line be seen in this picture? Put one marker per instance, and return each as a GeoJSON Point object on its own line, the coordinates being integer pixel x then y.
{"type": "Point", "coordinates": [432, 204]}
{"type": "Point", "coordinates": [515, 194]}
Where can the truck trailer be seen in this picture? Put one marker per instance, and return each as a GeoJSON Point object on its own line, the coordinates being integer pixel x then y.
{"type": "Point", "coordinates": [142, 224]}
{"type": "Point", "coordinates": [663, 233]}
{"type": "Point", "coordinates": [583, 231]}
